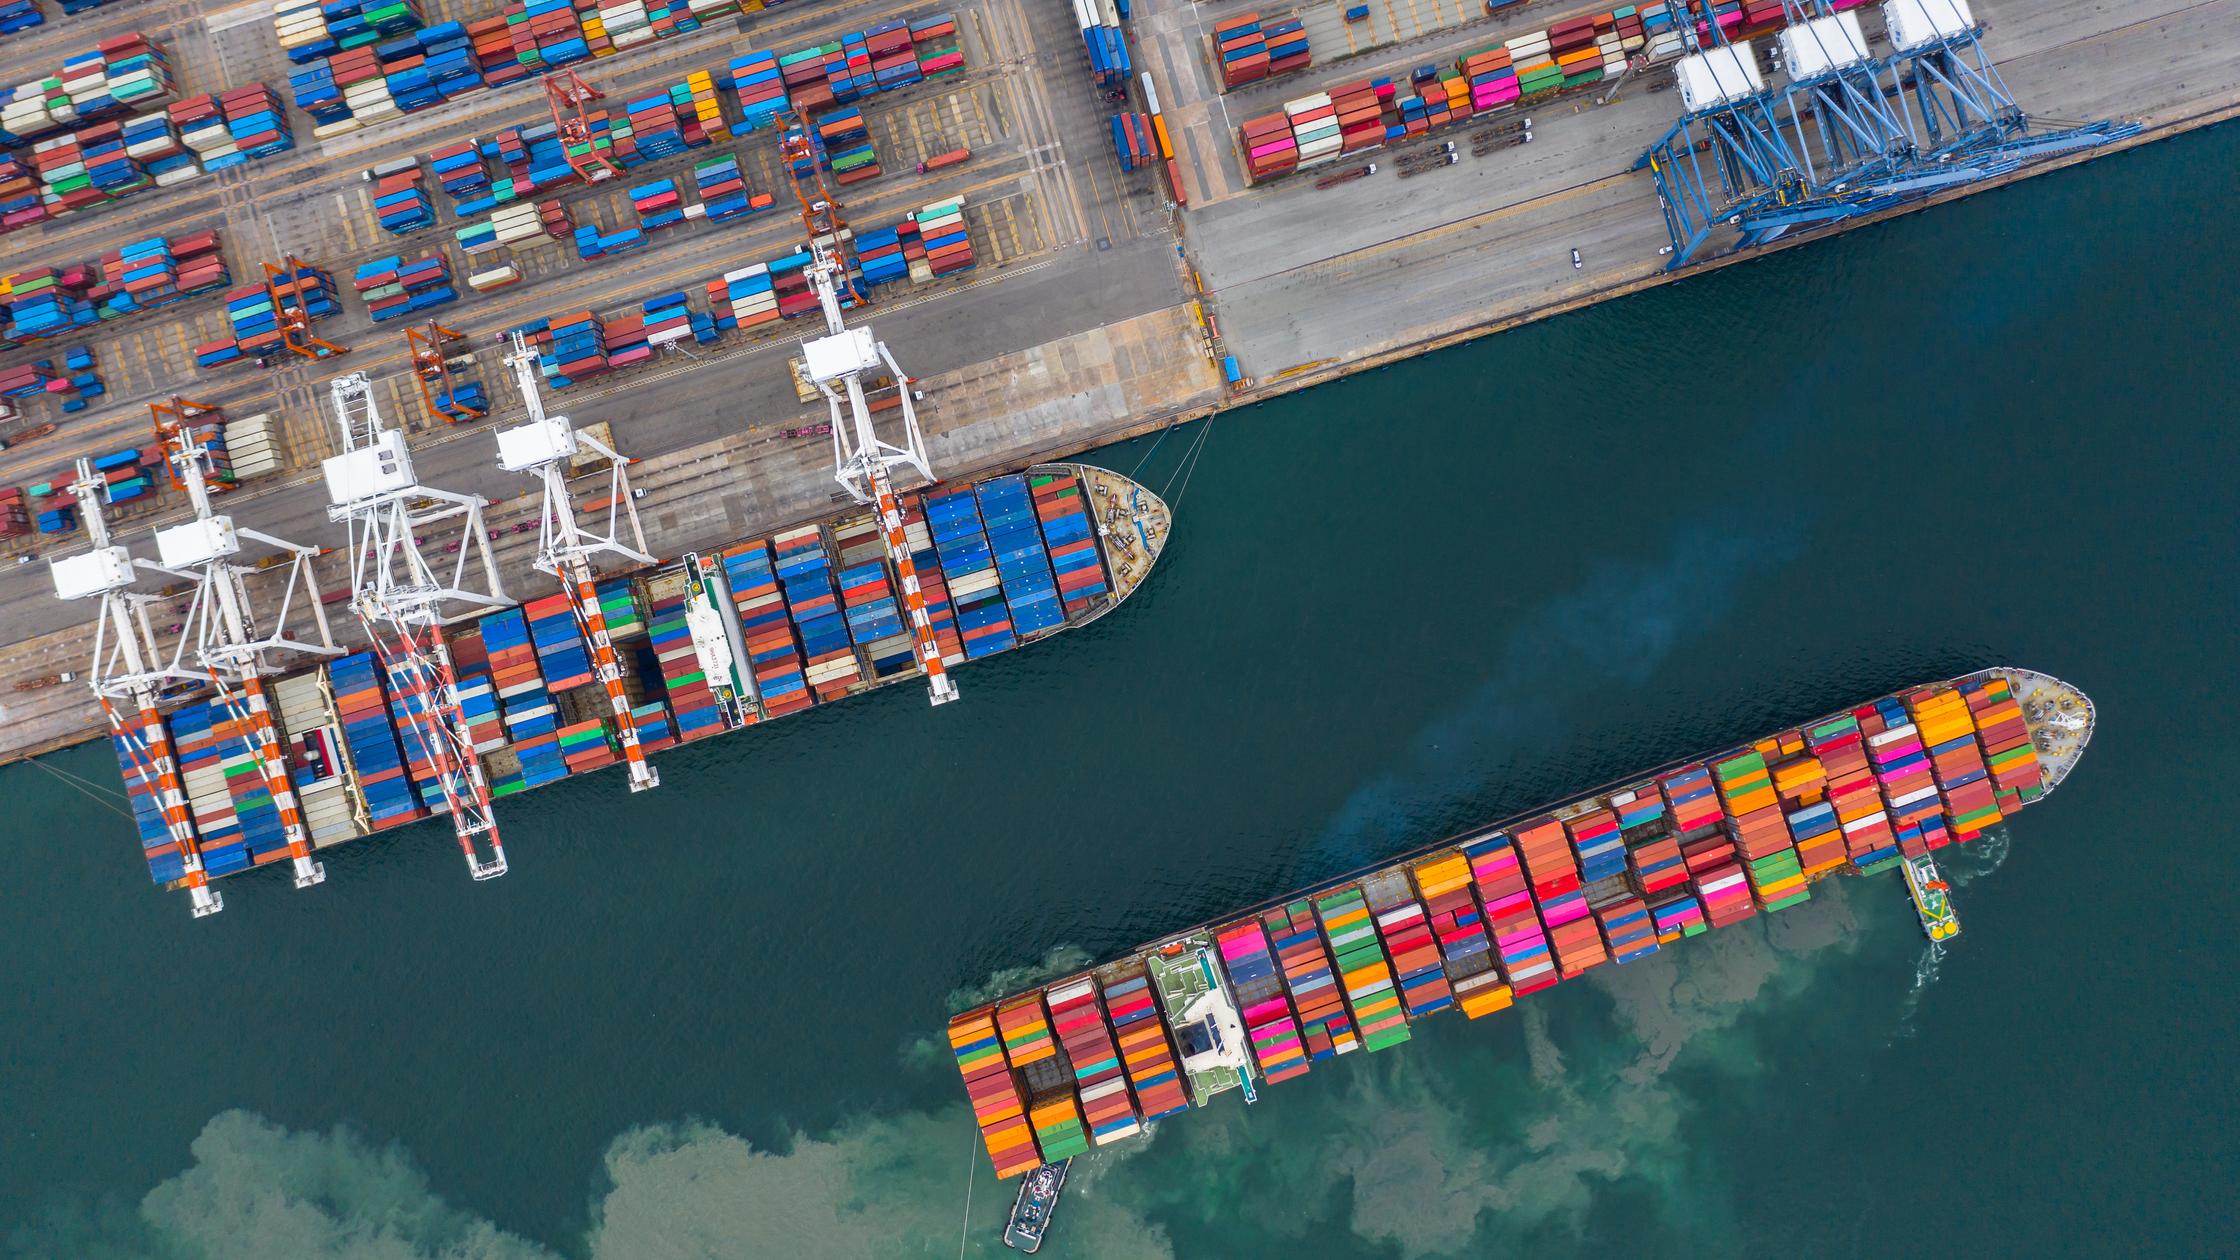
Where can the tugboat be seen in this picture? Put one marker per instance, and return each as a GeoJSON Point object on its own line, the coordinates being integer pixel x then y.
{"type": "Point", "coordinates": [1932, 898]}
{"type": "Point", "coordinates": [1030, 1212]}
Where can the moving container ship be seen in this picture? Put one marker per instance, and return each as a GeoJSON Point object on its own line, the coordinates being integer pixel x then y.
{"type": "Point", "coordinates": [1484, 918]}
{"type": "Point", "coordinates": [714, 642]}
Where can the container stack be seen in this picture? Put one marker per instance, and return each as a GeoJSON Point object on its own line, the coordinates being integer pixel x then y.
{"type": "Point", "coordinates": [968, 567]}
{"type": "Point", "coordinates": [626, 341]}
{"type": "Point", "coordinates": [1362, 969]}
{"type": "Point", "coordinates": [1106, 44]}
{"type": "Point", "coordinates": [161, 851]}
{"type": "Point", "coordinates": [880, 258]}
{"type": "Point", "coordinates": [309, 29]}
{"type": "Point", "coordinates": [933, 586]}
{"type": "Point", "coordinates": [315, 762]}
{"type": "Point", "coordinates": [460, 171]}
{"type": "Point", "coordinates": [21, 15]}
{"type": "Point", "coordinates": [1274, 1035]}
{"type": "Point", "coordinates": [934, 42]}
{"type": "Point", "coordinates": [485, 717]}
{"type": "Point", "coordinates": [1077, 1013]}
{"type": "Point", "coordinates": [130, 474]}
{"type": "Point", "coordinates": [1024, 1024]}
{"type": "Point", "coordinates": [1517, 934]}
{"type": "Point", "coordinates": [1146, 1051]}
{"type": "Point", "coordinates": [586, 745]}
{"type": "Point", "coordinates": [658, 204]}
{"type": "Point", "coordinates": [996, 1104]}
{"type": "Point", "coordinates": [15, 517]}
{"type": "Point", "coordinates": [1705, 844]}
{"type": "Point", "coordinates": [1596, 842]}
{"type": "Point", "coordinates": [1271, 145]}
{"type": "Point", "coordinates": [1133, 141]}
{"type": "Point", "coordinates": [1963, 782]}
{"type": "Point", "coordinates": [874, 618]}
{"type": "Point", "coordinates": [532, 719]}
{"type": "Point", "coordinates": [158, 271]}
{"type": "Point", "coordinates": [1324, 1025]}
{"type": "Point", "coordinates": [1652, 846]}
{"type": "Point", "coordinates": [198, 739]}
{"type": "Point", "coordinates": [571, 348]}
{"type": "Point", "coordinates": [1240, 51]}
{"type": "Point", "coordinates": [743, 298]}
{"type": "Point", "coordinates": [2005, 737]}
{"type": "Point", "coordinates": [723, 190]}
{"type": "Point", "coordinates": [760, 86]}
{"type": "Point", "coordinates": [1315, 127]}
{"type": "Point", "coordinates": [411, 701]}
{"type": "Point", "coordinates": [1554, 876]}
{"type": "Point", "coordinates": [691, 701]}
{"type": "Point", "coordinates": [845, 144]}
{"type": "Point", "coordinates": [768, 626]}
{"type": "Point", "coordinates": [1064, 516]}
{"type": "Point", "coordinates": [1761, 835]}
{"type": "Point", "coordinates": [20, 203]}
{"type": "Point", "coordinates": [1406, 934]}
{"type": "Point", "coordinates": [391, 287]}
{"type": "Point", "coordinates": [1460, 928]}
{"type": "Point", "coordinates": [1627, 930]}
{"type": "Point", "coordinates": [1677, 915]}
{"type": "Point", "coordinates": [372, 741]}
{"type": "Point", "coordinates": [561, 657]}
{"type": "Point", "coordinates": [1901, 768]}
{"type": "Point", "coordinates": [1022, 562]}
{"type": "Point", "coordinates": [805, 571]}
{"type": "Point", "coordinates": [400, 202]}
{"type": "Point", "coordinates": [1852, 794]}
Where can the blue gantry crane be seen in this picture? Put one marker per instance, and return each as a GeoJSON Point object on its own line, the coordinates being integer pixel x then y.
{"type": "Point", "coordinates": [1848, 131]}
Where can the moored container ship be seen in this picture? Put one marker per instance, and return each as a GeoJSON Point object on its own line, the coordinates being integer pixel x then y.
{"type": "Point", "coordinates": [1475, 922]}
{"type": "Point", "coordinates": [710, 643]}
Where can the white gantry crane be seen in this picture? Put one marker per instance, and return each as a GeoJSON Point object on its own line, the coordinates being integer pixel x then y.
{"type": "Point", "coordinates": [232, 636]}
{"type": "Point", "coordinates": [544, 448]}
{"type": "Point", "coordinates": [129, 666]}
{"type": "Point", "coordinates": [837, 363]}
{"type": "Point", "coordinates": [405, 598]}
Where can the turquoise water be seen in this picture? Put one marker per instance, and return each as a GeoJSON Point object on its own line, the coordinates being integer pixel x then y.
{"type": "Point", "coordinates": [706, 1021]}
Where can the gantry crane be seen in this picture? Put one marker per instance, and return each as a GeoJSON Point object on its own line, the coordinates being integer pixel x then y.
{"type": "Point", "coordinates": [128, 666]}
{"type": "Point", "coordinates": [405, 601]}
{"type": "Point", "coordinates": [288, 310]}
{"type": "Point", "coordinates": [231, 639]}
{"type": "Point", "coordinates": [543, 448]}
{"type": "Point", "coordinates": [431, 367]}
{"type": "Point", "coordinates": [836, 364]}
{"type": "Point", "coordinates": [568, 95]}
{"type": "Point", "coordinates": [1850, 133]}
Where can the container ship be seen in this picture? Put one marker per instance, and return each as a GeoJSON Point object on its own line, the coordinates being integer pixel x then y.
{"type": "Point", "coordinates": [1486, 917]}
{"type": "Point", "coordinates": [711, 643]}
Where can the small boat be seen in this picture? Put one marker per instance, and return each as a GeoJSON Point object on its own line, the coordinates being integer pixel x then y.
{"type": "Point", "coordinates": [1030, 1212]}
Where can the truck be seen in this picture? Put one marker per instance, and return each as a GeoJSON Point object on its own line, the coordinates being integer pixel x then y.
{"type": "Point", "coordinates": [939, 160]}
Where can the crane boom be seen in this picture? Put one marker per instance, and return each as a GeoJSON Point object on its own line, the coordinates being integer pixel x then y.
{"type": "Point", "coordinates": [404, 602]}
{"type": "Point", "coordinates": [228, 640]}
{"type": "Point", "coordinates": [127, 666]}
{"type": "Point", "coordinates": [543, 448]}
{"type": "Point", "coordinates": [836, 364]}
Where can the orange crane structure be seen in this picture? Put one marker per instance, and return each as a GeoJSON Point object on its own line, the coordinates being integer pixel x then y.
{"type": "Point", "coordinates": [284, 283]}
{"type": "Point", "coordinates": [431, 366]}
{"type": "Point", "coordinates": [836, 364]}
{"type": "Point", "coordinates": [570, 98]}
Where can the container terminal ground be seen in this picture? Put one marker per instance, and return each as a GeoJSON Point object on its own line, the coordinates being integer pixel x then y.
{"type": "Point", "coordinates": [1086, 320]}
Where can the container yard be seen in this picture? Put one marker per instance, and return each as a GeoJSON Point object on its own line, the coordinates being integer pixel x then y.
{"type": "Point", "coordinates": [1079, 222]}
{"type": "Point", "coordinates": [1482, 919]}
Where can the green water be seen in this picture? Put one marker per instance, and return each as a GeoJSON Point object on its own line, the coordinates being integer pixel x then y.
{"type": "Point", "coordinates": [706, 1021]}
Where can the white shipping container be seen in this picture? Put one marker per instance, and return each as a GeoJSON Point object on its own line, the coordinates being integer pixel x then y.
{"type": "Point", "coordinates": [494, 278]}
